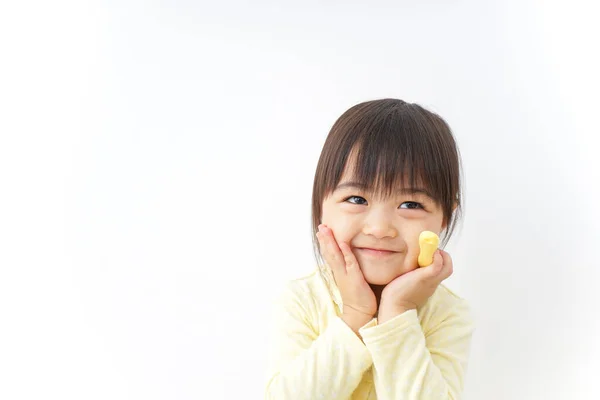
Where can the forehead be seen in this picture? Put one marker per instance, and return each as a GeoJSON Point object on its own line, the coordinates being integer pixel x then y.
{"type": "Point", "coordinates": [401, 181]}
{"type": "Point", "coordinates": [401, 184]}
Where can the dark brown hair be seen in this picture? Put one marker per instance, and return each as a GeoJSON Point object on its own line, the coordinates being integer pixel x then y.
{"type": "Point", "coordinates": [391, 139]}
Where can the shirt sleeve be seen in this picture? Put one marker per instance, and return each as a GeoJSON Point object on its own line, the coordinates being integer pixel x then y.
{"type": "Point", "coordinates": [307, 365]}
{"type": "Point", "coordinates": [411, 364]}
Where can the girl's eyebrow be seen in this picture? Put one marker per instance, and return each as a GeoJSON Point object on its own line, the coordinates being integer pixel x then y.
{"type": "Point", "coordinates": [403, 191]}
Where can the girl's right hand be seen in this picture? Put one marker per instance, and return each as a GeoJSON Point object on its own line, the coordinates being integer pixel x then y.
{"type": "Point", "coordinates": [359, 300]}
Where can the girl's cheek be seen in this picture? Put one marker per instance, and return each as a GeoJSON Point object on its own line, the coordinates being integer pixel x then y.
{"type": "Point", "coordinates": [412, 241]}
{"type": "Point", "coordinates": [345, 229]}
{"type": "Point", "coordinates": [348, 208]}
{"type": "Point", "coordinates": [343, 233]}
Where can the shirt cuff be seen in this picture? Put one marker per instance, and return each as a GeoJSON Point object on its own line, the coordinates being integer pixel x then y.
{"type": "Point", "coordinates": [368, 325]}
{"type": "Point", "coordinates": [345, 335]}
{"type": "Point", "coordinates": [372, 332]}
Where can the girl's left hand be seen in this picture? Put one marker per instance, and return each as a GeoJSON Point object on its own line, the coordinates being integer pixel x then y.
{"type": "Point", "coordinates": [411, 290]}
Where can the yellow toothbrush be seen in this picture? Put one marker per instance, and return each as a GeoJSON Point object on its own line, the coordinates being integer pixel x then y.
{"type": "Point", "coordinates": [428, 242]}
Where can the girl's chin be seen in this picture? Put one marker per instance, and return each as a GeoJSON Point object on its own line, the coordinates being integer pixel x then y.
{"type": "Point", "coordinates": [379, 279]}
{"type": "Point", "coordinates": [378, 283]}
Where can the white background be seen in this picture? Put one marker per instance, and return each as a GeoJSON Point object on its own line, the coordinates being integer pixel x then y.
{"type": "Point", "coordinates": [156, 167]}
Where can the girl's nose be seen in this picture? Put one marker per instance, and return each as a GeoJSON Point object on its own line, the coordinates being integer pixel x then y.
{"type": "Point", "coordinates": [380, 227]}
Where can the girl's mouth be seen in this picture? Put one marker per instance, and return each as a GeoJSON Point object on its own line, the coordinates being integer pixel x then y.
{"type": "Point", "coordinates": [375, 252]}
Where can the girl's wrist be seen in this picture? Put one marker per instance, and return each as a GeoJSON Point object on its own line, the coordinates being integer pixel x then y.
{"type": "Point", "coordinates": [387, 313]}
{"type": "Point", "coordinates": [355, 320]}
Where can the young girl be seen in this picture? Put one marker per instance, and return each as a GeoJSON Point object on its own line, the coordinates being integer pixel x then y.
{"type": "Point", "coordinates": [369, 323]}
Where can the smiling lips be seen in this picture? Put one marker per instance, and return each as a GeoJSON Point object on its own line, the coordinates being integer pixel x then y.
{"type": "Point", "coordinates": [375, 252]}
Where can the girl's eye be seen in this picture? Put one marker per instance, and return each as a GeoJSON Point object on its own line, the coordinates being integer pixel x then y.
{"type": "Point", "coordinates": [412, 205]}
{"type": "Point", "coordinates": [358, 200]}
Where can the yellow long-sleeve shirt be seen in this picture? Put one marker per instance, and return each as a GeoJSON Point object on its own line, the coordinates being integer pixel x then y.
{"type": "Point", "coordinates": [419, 355]}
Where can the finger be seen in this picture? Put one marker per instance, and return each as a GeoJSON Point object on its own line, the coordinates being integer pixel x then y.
{"type": "Point", "coordinates": [434, 270]}
{"type": "Point", "coordinates": [352, 267]}
{"type": "Point", "coordinates": [330, 250]}
{"type": "Point", "coordinates": [448, 266]}
{"type": "Point", "coordinates": [332, 246]}
{"type": "Point", "coordinates": [323, 246]}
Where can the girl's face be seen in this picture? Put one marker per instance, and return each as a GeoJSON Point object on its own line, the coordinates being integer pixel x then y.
{"type": "Point", "coordinates": [367, 221]}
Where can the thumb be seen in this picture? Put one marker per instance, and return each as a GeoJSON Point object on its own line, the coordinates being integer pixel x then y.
{"type": "Point", "coordinates": [437, 265]}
